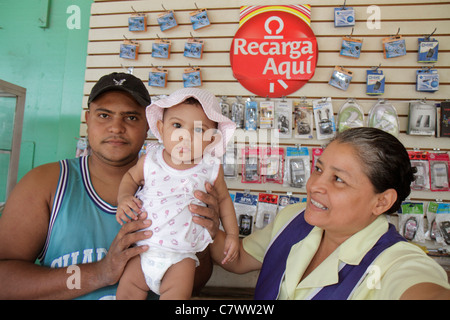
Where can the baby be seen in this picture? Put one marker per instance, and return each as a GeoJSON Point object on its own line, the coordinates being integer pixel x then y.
{"type": "Point", "coordinates": [194, 134]}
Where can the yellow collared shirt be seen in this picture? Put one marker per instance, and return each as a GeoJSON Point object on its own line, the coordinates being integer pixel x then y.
{"type": "Point", "coordinates": [396, 269]}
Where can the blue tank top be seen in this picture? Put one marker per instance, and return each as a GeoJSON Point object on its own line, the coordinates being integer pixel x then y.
{"type": "Point", "coordinates": [82, 226]}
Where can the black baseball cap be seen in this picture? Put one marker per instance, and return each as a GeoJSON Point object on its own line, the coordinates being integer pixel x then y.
{"type": "Point", "coordinates": [121, 82]}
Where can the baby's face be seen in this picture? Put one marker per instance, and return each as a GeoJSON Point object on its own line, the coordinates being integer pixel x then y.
{"type": "Point", "coordinates": [186, 131]}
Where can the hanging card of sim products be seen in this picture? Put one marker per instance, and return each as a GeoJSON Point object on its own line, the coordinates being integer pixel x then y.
{"type": "Point", "coordinates": [166, 20]}
{"type": "Point", "coordinates": [199, 19]}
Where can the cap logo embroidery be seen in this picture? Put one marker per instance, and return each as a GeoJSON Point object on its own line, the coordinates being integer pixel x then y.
{"type": "Point", "coordinates": [120, 82]}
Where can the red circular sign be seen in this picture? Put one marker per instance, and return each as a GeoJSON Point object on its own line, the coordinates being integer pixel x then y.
{"type": "Point", "coordinates": [273, 54]}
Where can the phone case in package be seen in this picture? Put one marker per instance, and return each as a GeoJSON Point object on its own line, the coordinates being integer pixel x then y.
{"type": "Point", "coordinates": [439, 178]}
{"type": "Point", "coordinates": [384, 116]}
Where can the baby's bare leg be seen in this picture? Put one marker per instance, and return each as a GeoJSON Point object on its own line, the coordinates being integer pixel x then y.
{"type": "Point", "coordinates": [132, 285]}
{"type": "Point", "coordinates": [178, 281]}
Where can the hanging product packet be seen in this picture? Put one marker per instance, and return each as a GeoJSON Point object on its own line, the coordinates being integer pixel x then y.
{"type": "Point", "coordinates": [250, 165]}
{"type": "Point", "coordinates": [224, 106]}
{"type": "Point", "coordinates": [411, 221]}
{"type": "Point", "coordinates": [193, 48]}
{"type": "Point", "coordinates": [267, 114]}
{"type": "Point", "coordinates": [288, 199]}
{"type": "Point", "coordinates": [230, 164]}
{"type": "Point", "coordinates": [237, 113]}
{"type": "Point", "coordinates": [158, 77]}
{"type": "Point", "coordinates": [375, 82]}
{"type": "Point", "coordinates": [129, 50]}
{"type": "Point", "coordinates": [394, 46]}
{"type": "Point", "coordinates": [341, 78]}
{"type": "Point", "coordinates": [297, 167]}
{"type": "Point", "coordinates": [303, 120]}
{"type": "Point", "coordinates": [422, 118]}
{"type": "Point", "coordinates": [166, 20]}
{"type": "Point", "coordinates": [283, 118]}
{"type": "Point", "coordinates": [245, 205]}
{"type": "Point", "coordinates": [199, 19]}
{"type": "Point", "coordinates": [442, 223]}
{"type": "Point", "coordinates": [316, 153]}
{"type": "Point", "coordinates": [351, 47]}
{"type": "Point", "coordinates": [251, 115]}
{"type": "Point", "coordinates": [350, 115]}
{"type": "Point", "coordinates": [137, 22]}
{"type": "Point", "coordinates": [161, 49]}
{"type": "Point", "coordinates": [324, 118]}
{"type": "Point", "coordinates": [428, 50]}
{"type": "Point", "coordinates": [272, 164]}
{"type": "Point", "coordinates": [420, 161]}
{"type": "Point", "coordinates": [427, 80]}
{"type": "Point", "coordinates": [192, 77]}
{"type": "Point", "coordinates": [384, 116]}
{"type": "Point", "coordinates": [344, 17]}
{"type": "Point", "coordinates": [266, 209]}
{"type": "Point", "coordinates": [439, 171]}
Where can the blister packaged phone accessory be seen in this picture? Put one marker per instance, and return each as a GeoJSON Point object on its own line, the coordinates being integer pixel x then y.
{"type": "Point", "coordinates": [351, 47]}
{"type": "Point", "coordinates": [250, 165]}
{"type": "Point", "coordinates": [442, 223]}
{"type": "Point", "coordinates": [439, 173]}
{"type": "Point", "coordinates": [432, 229]}
{"type": "Point", "coordinates": [316, 153]}
{"type": "Point", "coordinates": [245, 205]}
{"type": "Point", "coordinates": [427, 80]}
{"type": "Point", "coordinates": [157, 77]}
{"type": "Point", "coordinates": [283, 118]}
{"type": "Point", "coordinates": [411, 221]}
{"type": "Point", "coordinates": [344, 16]}
{"type": "Point", "coordinates": [161, 49]}
{"type": "Point", "coordinates": [272, 164]}
{"type": "Point", "coordinates": [251, 114]}
{"type": "Point", "coordinates": [166, 20]}
{"type": "Point", "coordinates": [420, 161]}
{"type": "Point", "coordinates": [383, 116]}
{"type": "Point", "coordinates": [193, 48]}
{"type": "Point", "coordinates": [230, 164]}
{"type": "Point", "coordinates": [375, 82]}
{"type": "Point", "coordinates": [297, 166]}
{"type": "Point", "coordinates": [225, 107]}
{"type": "Point", "coordinates": [137, 22]}
{"type": "Point", "coordinates": [199, 19]}
{"type": "Point", "coordinates": [341, 78]}
{"type": "Point", "coordinates": [267, 114]}
{"type": "Point", "coordinates": [285, 200]}
{"type": "Point", "coordinates": [324, 118]}
{"type": "Point", "coordinates": [237, 112]}
{"type": "Point", "coordinates": [303, 120]}
{"type": "Point", "coordinates": [350, 115]}
{"type": "Point", "coordinates": [266, 209]}
{"type": "Point", "coordinates": [422, 118]}
{"type": "Point", "coordinates": [192, 77]}
{"type": "Point", "coordinates": [428, 49]}
{"type": "Point", "coordinates": [129, 49]}
{"type": "Point", "coordinates": [394, 46]}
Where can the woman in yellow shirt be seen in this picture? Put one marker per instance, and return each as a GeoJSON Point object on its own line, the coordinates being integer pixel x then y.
{"type": "Point", "coordinates": [341, 246]}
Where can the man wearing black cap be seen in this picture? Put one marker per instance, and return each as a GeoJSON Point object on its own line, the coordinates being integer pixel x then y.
{"type": "Point", "coordinates": [63, 213]}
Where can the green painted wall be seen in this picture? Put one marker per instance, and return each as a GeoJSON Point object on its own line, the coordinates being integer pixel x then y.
{"type": "Point", "coordinates": [50, 63]}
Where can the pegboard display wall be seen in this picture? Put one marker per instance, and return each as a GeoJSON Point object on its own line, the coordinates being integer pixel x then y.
{"type": "Point", "coordinates": [410, 18]}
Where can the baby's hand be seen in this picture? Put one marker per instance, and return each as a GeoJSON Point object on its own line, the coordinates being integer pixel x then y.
{"type": "Point", "coordinates": [129, 207]}
{"type": "Point", "coordinates": [231, 249]}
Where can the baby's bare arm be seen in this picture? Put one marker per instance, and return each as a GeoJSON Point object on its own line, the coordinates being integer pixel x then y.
{"type": "Point", "coordinates": [128, 205]}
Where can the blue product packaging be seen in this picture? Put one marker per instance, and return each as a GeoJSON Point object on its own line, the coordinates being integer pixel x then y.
{"type": "Point", "coordinates": [344, 17]}
{"type": "Point", "coordinates": [427, 80]}
{"type": "Point", "coordinates": [428, 50]}
{"type": "Point", "coordinates": [375, 81]}
{"type": "Point", "coordinates": [251, 115]}
{"type": "Point", "coordinates": [394, 46]}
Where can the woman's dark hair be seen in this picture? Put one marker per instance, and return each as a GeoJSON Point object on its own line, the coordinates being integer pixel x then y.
{"type": "Point", "coordinates": [384, 158]}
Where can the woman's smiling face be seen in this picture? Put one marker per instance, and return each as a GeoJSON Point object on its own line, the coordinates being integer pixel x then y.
{"type": "Point", "coordinates": [341, 198]}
